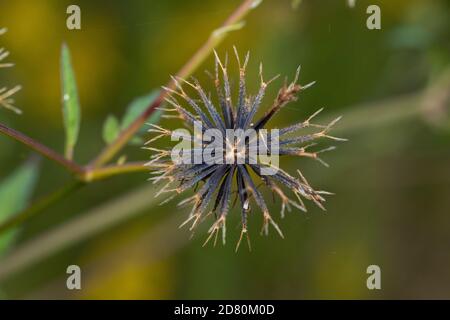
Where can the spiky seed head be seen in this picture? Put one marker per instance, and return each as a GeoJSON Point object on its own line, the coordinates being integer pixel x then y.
{"type": "Point", "coordinates": [222, 181]}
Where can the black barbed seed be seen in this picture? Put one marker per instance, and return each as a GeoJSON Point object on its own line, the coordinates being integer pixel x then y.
{"type": "Point", "coordinates": [221, 179]}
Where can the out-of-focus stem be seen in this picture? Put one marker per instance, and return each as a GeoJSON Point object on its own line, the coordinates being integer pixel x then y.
{"type": "Point", "coordinates": [79, 228]}
{"type": "Point", "coordinates": [39, 206]}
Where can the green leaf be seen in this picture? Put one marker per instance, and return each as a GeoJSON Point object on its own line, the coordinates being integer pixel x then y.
{"type": "Point", "coordinates": [137, 107]}
{"type": "Point", "coordinates": [111, 129]}
{"type": "Point", "coordinates": [15, 192]}
{"type": "Point", "coordinates": [71, 105]}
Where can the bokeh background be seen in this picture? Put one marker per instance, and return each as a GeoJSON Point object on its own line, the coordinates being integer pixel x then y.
{"type": "Point", "coordinates": [392, 179]}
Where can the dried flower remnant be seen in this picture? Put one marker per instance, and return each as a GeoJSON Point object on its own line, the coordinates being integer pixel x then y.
{"type": "Point", "coordinates": [6, 95]}
{"type": "Point", "coordinates": [224, 180]}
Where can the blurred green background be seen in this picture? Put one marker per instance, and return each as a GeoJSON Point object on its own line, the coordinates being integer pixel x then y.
{"type": "Point", "coordinates": [392, 179]}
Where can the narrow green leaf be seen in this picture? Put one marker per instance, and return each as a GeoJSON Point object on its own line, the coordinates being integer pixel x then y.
{"type": "Point", "coordinates": [137, 106]}
{"type": "Point", "coordinates": [111, 129]}
{"type": "Point", "coordinates": [15, 192]}
{"type": "Point", "coordinates": [135, 109]}
{"type": "Point", "coordinates": [71, 105]}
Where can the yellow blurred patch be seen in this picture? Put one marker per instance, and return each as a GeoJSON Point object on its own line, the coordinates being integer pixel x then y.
{"type": "Point", "coordinates": [37, 30]}
{"type": "Point", "coordinates": [131, 279]}
{"type": "Point", "coordinates": [342, 274]}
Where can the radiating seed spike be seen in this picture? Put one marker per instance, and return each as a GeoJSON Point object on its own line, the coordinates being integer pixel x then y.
{"type": "Point", "coordinates": [247, 58]}
{"type": "Point", "coordinates": [261, 73]}
{"type": "Point", "coordinates": [331, 148]}
{"type": "Point", "coordinates": [297, 74]}
{"type": "Point", "coordinates": [325, 192]}
{"type": "Point", "coordinates": [277, 228]}
{"type": "Point", "coordinates": [319, 204]}
{"type": "Point", "coordinates": [167, 200]}
{"type": "Point", "coordinates": [224, 233]}
{"type": "Point", "coordinates": [314, 115]}
{"type": "Point", "coordinates": [207, 239]}
{"type": "Point", "coordinates": [226, 60]}
{"type": "Point", "coordinates": [335, 138]}
{"type": "Point", "coordinates": [273, 79]}
{"type": "Point", "coordinates": [325, 164]}
{"type": "Point", "coordinates": [218, 59]}
{"type": "Point", "coordinates": [187, 82]}
{"type": "Point", "coordinates": [302, 177]}
{"type": "Point", "coordinates": [332, 123]}
{"type": "Point", "coordinates": [244, 231]}
{"type": "Point", "coordinates": [309, 85]}
{"type": "Point", "coordinates": [171, 91]}
{"type": "Point", "coordinates": [237, 57]}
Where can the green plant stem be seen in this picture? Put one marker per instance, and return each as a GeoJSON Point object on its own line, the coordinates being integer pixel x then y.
{"type": "Point", "coordinates": [113, 170]}
{"type": "Point", "coordinates": [84, 174]}
{"type": "Point", "coordinates": [215, 38]}
{"type": "Point", "coordinates": [39, 206]}
{"type": "Point", "coordinates": [42, 149]}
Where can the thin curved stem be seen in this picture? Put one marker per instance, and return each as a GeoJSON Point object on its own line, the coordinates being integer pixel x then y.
{"type": "Point", "coordinates": [84, 174]}
{"type": "Point", "coordinates": [42, 149]}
